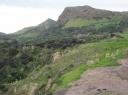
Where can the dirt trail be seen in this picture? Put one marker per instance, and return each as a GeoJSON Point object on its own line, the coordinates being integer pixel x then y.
{"type": "Point", "coordinates": [103, 81]}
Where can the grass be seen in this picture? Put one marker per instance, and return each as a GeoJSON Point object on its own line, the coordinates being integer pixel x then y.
{"type": "Point", "coordinates": [79, 23]}
{"type": "Point", "coordinates": [108, 52]}
{"type": "Point", "coordinates": [74, 75]}
{"type": "Point", "coordinates": [72, 64]}
{"type": "Point", "coordinates": [97, 23]}
{"type": "Point", "coordinates": [102, 54]}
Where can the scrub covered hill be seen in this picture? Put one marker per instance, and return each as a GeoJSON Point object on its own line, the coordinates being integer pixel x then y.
{"type": "Point", "coordinates": [46, 59]}
{"type": "Point", "coordinates": [75, 24]}
{"type": "Point", "coordinates": [69, 65]}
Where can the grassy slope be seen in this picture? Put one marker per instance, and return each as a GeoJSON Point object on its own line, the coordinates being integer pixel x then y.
{"type": "Point", "coordinates": [72, 64]}
{"type": "Point", "coordinates": [106, 54]}
{"type": "Point", "coordinates": [79, 23]}
{"type": "Point", "coordinates": [98, 23]}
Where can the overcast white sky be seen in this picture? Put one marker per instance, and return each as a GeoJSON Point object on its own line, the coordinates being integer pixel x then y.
{"type": "Point", "coordinates": [17, 14]}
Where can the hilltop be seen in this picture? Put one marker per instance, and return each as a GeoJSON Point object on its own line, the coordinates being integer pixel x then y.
{"type": "Point", "coordinates": [84, 12]}
{"type": "Point", "coordinates": [75, 23]}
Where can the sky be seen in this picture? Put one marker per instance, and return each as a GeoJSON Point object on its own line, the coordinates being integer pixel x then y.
{"type": "Point", "coordinates": [17, 14]}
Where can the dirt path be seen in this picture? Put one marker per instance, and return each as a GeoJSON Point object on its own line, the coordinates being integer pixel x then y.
{"type": "Point", "coordinates": [103, 81]}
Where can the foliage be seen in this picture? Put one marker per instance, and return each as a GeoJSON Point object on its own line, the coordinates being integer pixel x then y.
{"type": "Point", "coordinates": [110, 51]}
{"type": "Point", "coordinates": [17, 62]}
{"type": "Point", "coordinates": [73, 62]}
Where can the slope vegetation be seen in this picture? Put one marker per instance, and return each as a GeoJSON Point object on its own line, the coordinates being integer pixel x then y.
{"type": "Point", "coordinates": [69, 65]}
{"type": "Point", "coordinates": [46, 59]}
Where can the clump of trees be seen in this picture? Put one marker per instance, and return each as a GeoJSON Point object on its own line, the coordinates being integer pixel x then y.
{"type": "Point", "coordinates": [17, 62]}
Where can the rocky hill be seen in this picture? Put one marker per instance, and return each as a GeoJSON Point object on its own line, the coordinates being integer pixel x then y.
{"type": "Point", "coordinates": [35, 33]}
{"type": "Point", "coordinates": [85, 12]}
{"type": "Point", "coordinates": [48, 58]}
{"type": "Point", "coordinates": [77, 23]}
{"type": "Point", "coordinates": [48, 24]}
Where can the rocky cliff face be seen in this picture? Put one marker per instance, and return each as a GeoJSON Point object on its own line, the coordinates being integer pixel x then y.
{"type": "Point", "coordinates": [83, 12]}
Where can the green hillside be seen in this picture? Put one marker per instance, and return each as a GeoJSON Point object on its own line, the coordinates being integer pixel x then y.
{"type": "Point", "coordinates": [79, 22]}
{"type": "Point", "coordinates": [49, 57]}
{"type": "Point", "coordinates": [70, 64]}
{"type": "Point", "coordinates": [96, 22]}
{"type": "Point", "coordinates": [74, 32]}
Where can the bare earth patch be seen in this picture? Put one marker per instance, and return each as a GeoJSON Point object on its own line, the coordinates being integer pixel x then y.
{"type": "Point", "coordinates": [103, 81]}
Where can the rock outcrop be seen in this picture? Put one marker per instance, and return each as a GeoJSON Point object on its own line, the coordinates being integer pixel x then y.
{"type": "Point", "coordinates": [83, 12]}
{"type": "Point", "coordinates": [48, 24]}
{"type": "Point", "coordinates": [102, 81]}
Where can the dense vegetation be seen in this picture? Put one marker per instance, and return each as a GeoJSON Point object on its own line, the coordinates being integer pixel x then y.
{"type": "Point", "coordinates": [71, 63]}
{"type": "Point", "coordinates": [16, 60]}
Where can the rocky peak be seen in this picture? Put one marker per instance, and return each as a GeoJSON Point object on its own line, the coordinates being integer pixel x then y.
{"type": "Point", "coordinates": [82, 12]}
{"type": "Point", "coordinates": [49, 23]}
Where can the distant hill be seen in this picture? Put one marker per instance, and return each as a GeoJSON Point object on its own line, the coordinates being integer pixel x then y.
{"type": "Point", "coordinates": [2, 33]}
{"type": "Point", "coordinates": [48, 24]}
{"type": "Point", "coordinates": [74, 23]}
{"type": "Point", "coordinates": [85, 12]}
{"type": "Point", "coordinates": [32, 33]}
{"type": "Point", "coordinates": [3, 36]}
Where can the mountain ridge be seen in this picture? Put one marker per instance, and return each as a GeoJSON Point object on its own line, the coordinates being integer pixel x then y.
{"type": "Point", "coordinates": [51, 30]}
{"type": "Point", "coordinates": [83, 12]}
{"type": "Point", "coordinates": [69, 13]}
{"type": "Point", "coordinates": [47, 24]}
